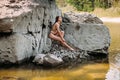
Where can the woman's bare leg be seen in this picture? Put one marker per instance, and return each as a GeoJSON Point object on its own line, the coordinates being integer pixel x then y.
{"type": "Point", "coordinates": [55, 37]}
{"type": "Point", "coordinates": [64, 43]}
{"type": "Point", "coordinates": [62, 33]}
{"type": "Point", "coordinates": [59, 39]}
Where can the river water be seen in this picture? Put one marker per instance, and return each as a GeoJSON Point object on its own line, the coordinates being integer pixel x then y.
{"type": "Point", "coordinates": [84, 72]}
{"type": "Point", "coordinates": [114, 49]}
{"type": "Point", "coordinates": [93, 71]}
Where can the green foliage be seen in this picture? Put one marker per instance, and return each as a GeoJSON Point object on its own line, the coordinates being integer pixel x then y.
{"type": "Point", "coordinates": [61, 3]}
{"type": "Point", "coordinates": [89, 5]}
{"type": "Point", "coordinates": [81, 5]}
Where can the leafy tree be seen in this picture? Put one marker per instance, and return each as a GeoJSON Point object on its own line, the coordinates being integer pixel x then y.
{"type": "Point", "coordinates": [89, 5]}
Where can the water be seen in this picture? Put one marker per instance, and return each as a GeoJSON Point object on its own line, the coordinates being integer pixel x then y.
{"type": "Point", "coordinates": [93, 71]}
{"type": "Point", "coordinates": [84, 72]}
{"type": "Point", "coordinates": [115, 39]}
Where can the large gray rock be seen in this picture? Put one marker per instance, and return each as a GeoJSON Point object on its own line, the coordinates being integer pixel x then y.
{"type": "Point", "coordinates": [86, 32]}
{"type": "Point", "coordinates": [26, 25]}
{"type": "Point", "coordinates": [24, 28]}
{"type": "Point", "coordinates": [15, 47]}
{"type": "Point", "coordinates": [87, 36]}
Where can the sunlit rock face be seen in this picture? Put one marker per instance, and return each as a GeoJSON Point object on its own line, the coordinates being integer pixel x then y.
{"type": "Point", "coordinates": [114, 71]}
{"type": "Point", "coordinates": [82, 18]}
{"type": "Point", "coordinates": [113, 74]}
{"type": "Point", "coordinates": [24, 28]}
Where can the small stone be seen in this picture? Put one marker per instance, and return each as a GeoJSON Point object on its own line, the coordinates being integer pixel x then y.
{"type": "Point", "coordinates": [48, 60]}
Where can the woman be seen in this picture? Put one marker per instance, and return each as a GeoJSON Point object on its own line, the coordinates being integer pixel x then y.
{"type": "Point", "coordinates": [57, 34]}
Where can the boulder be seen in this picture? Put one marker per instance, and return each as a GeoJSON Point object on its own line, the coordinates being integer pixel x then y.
{"type": "Point", "coordinates": [14, 48]}
{"type": "Point", "coordinates": [52, 60]}
{"type": "Point", "coordinates": [82, 18]}
{"type": "Point", "coordinates": [39, 58]}
{"type": "Point", "coordinates": [87, 37]}
{"type": "Point", "coordinates": [24, 28]}
{"type": "Point", "coordinates": [91, 36]}
{"type": "Point", "coordinates": [48, 60]}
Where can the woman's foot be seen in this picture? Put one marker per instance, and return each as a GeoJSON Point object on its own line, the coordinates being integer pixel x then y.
{"type": "Point", "coordinates": [71, 49]}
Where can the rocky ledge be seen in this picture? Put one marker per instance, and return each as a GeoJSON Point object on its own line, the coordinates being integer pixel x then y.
{"type": "Point", "coordinates": [25, 35]}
